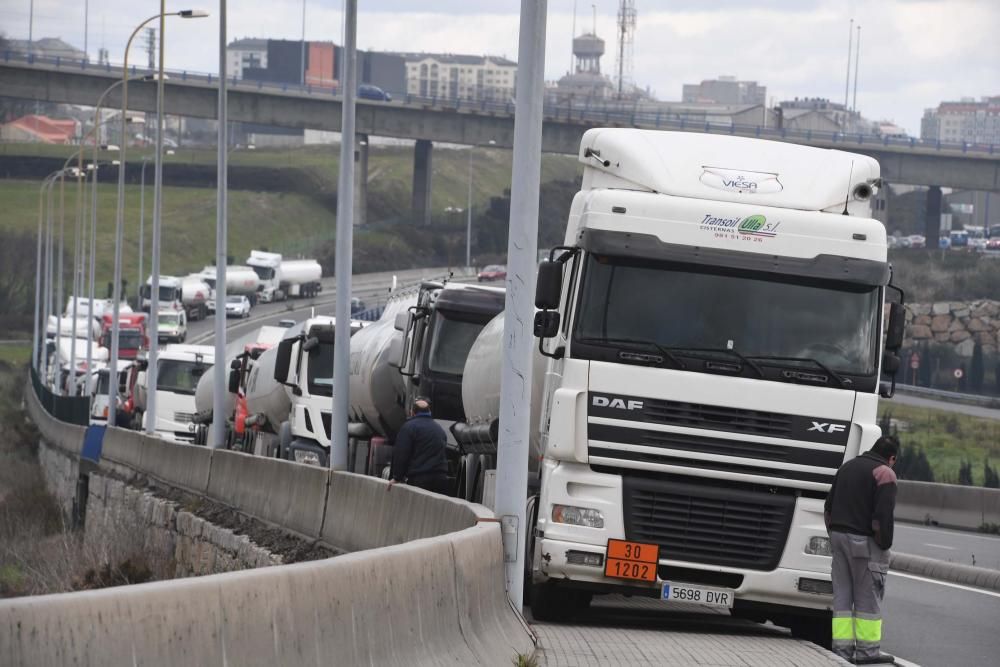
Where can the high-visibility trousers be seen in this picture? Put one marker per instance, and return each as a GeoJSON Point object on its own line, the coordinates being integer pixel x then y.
{"type": "Point", "coordinates": [860, 567]}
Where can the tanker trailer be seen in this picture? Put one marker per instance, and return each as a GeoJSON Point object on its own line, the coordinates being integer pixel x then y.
{"type": "Point", "coordinates": [297, 426]}
{"type": "Point", "coordinates": [239, 280]}
{"type": "Point", "coordinates": [478, 435]}
{"type": "Point", "coordinates": [300, 277]}
{"type": "Point", "coordinates": [417, 348]}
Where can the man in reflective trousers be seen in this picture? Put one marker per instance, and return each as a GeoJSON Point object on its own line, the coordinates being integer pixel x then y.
{"type": "Point", "coordinates": [859, 519]}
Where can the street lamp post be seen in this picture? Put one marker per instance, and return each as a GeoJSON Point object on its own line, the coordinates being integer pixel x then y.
{"type": "Point", "coordinates": [468, 209]}
{"type": "Point", "coordinates": [120, 216]}
{"type": "Point", "coordinates": [40, 328]}
{"type": "Point", "coordinates": [142, 223]}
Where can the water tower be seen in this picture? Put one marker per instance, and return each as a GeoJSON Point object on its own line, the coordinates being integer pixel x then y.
{"type": "Point", "coordinates": [588, 49]}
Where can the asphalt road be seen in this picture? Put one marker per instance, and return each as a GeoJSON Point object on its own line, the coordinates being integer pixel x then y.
{"type": "Point", "coordinates": [950, 545]}
{"type": "Point", "coordinates": [938, 624]}
{"type": "Point", "coordinates": [369, 287]}
{"type": "Point", "coordinates": [947, 406]}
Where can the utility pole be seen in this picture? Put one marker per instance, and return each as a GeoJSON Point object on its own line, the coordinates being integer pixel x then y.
{"type": "Point", "coordinates": [219, 369]}
{"type": "Point", "coordinates": [345, 243]}
{"type": "Point", "coordinates": [857, 59]}
{"type": "Point", "coordinates": [850, 42]}
{"type": "Point", "coordinates": [519, 306]}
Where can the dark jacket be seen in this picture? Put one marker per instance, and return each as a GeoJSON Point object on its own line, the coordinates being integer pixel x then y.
{"type": "Point", "coordinates": [862, 499]}
{"type": "Point", "coordinates": [419, 450]}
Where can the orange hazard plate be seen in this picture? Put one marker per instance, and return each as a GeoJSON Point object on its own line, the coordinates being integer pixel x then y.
{"type": "Point", "coordinates": [631, 560]}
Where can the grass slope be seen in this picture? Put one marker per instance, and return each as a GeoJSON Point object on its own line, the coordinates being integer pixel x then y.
{"type": "Point", "coordinates": [291, 222]}
{"type": "Point", "coordinates": [948, 439]}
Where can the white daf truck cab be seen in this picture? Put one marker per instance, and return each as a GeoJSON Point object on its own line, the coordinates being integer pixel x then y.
{"type": "Point", "coordinates": [180, 367]}
{"type": "Point", "coordinates": [714, 324]}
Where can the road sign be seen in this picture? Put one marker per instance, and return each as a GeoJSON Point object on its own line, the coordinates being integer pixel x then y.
{"type": "Point", "coordinates": [959, 373]}
{"type": "Point", "coordinates": [914, 361]}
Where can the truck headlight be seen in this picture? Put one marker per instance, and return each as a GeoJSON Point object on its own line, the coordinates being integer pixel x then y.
{"type": "Point", "coordinates": [307, 457]}
{"type": "Point", "coordinates": [818, 546]}
{"type": "Point", "coordinates": [577, 516]}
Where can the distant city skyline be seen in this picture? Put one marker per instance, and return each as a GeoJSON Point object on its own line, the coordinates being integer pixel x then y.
{"type": "Point", "coordinates": [914, 54]}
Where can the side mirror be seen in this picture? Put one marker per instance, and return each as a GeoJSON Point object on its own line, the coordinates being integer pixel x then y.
{"type": "Point", "coordinates": [894, 330]}
{"type": "Point", "coordinates": [402, 321]}
{"type": "Point", "coordinates": [546, 324]}
{"type": "Point", "coordinates": [234, 364]}
{"type": "Point", "coordinates": [234, 381]}
{"type": "Point", "coordinates": [283, 360]}
{"type": "Point", "coordinates": [890, 363]}
{"type": "Point", "coordinates": [395, 352]}
{"type": "Point", "coordinates": [310, 344]}
{"type": "Point", "coordinates": [549, 285]}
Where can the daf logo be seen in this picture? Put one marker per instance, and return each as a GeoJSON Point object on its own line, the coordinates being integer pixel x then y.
{"type": "Point", "coordinates": [823, 427]}
{"type": "Point", "coordinates": [619, 403]}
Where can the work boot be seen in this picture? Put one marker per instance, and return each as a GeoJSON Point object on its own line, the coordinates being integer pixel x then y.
{"type": "Point", "coordinates": [880, 659]}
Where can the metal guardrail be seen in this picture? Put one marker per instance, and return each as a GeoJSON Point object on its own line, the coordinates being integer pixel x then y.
{"type": "Point", "coordinates": [953, 396]}
{"type": "Point", "coordinates": [580, 113]}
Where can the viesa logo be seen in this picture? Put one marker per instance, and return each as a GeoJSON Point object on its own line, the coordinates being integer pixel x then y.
{"type": "Point", "coordinates": [618, 403]}
{"type": "Point", "coordinates": [824, 427]}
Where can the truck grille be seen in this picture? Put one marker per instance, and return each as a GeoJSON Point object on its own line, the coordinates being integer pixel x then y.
{"type": "Point", "coordinates": [705, 524]}
{"type": "Point", "coordinates": [184, 417]}
{"type": "Point", "coordinates": [719, 418]}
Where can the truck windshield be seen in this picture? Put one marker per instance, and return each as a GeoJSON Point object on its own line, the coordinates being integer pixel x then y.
{"type": "Point", "coordinates": [180, 377]}
{"type": "Point", "coordinates": [170, 319]}
{"type": "Point", "coordinates": [696, 308]}
{"type": "Point", "coordinates": [263, 272]}
{"type": "Point", "coordinates": [453, 339]}
{"type": "Point", "coordinates": [129, 339]}
{"type": "Point", "coordinates": [320, 369]}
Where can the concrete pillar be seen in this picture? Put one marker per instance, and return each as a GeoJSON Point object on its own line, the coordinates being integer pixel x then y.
{"type": "Point", "coordinates": [932, 217]}
{"type": "Point", "coordinates": [361, 180]}
{"type": "Point", "coordinates": [422, 182]}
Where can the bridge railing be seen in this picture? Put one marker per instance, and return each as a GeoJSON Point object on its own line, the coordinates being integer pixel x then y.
{"type": "Point", "coordinates": [586, 112]}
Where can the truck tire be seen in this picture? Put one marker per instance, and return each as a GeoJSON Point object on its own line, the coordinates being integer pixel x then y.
{"type": "Point", "coordinates": [552, 603]}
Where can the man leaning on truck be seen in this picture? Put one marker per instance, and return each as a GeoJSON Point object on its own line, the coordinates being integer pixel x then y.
{"type": "Point", "coordinates": [859, 518]}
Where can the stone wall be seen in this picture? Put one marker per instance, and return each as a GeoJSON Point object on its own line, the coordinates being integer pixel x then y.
{"type": "Point", "coordinates": [960, 324]}
{"type": "Point", "coordinates": [122, 518]}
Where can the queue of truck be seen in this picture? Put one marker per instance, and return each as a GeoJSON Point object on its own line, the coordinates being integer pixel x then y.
{"type": "Point", "coordinates": [713, 338]}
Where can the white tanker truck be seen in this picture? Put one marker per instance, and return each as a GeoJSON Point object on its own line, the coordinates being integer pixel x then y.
{"type": "Point", "coordinates": [239, 280]}
{"type": "Point", "coordinates": [282, 278]}
{"type": "Point", "coordinates": [289, 394]}
{"type": "Point", "coordinates": [417, 348]}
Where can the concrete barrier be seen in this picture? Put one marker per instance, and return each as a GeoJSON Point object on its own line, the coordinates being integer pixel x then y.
{"type": "Point", "coordinates": [182, 466]}
{"type": "Point", "coordinates": [949, 505]}
{"type": "Point", "coordinates": [418, 603]}
{"type": "Point", "coordinates": [389, 521]}
{"type": "Point", "coordinates": [427, 590]}
{"type": "Point", "coordinates": [939, 569]}
{"type": "Point", "coordinates": [290, 495]}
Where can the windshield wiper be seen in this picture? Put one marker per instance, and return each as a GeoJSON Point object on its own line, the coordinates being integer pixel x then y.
{"type": "Point", "coordinates": [649, 345]}
{"type": "Point", "coordinates": [842, 381]}
{"type": "Point", "coordinates": [722, 350]}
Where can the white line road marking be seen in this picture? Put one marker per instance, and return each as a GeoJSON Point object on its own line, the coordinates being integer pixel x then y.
{"type": "Point", "coordinates": [946, 583]}
{"type": "Point", "coordinates": [939, 546]}
{"type": "Point", "coordinates": [905, 663]}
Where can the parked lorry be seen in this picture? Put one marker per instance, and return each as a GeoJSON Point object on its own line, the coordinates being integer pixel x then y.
{"type": "Point", "coordinates": [133, 336]}
{"type": "Point", "coordinates": [714, 326]}
{"type": "Point", "coordinates": [171, 326]}
{"type": "Point", "coordinates": [179, 368]}
{"type": "Point", "coordinates": [289, 393]}
{"type": "Point", "coordinates": [189, 294]}
{"type": "Point", "coordinates": [239, 280]}
{"type": "Point", "coordinates": [60, 353]}
{"type": "Point", "coordinates": [418, 347]}
{"type": "Point", "coordinates": [100, 390]}
{"type": "Point", "coordinates": [282, 278]}
{"type": "Point", "coordinates": [238, 435]}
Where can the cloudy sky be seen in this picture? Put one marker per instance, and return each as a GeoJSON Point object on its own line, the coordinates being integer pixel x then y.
{"type": "Point", "coordinates": [914, 53]}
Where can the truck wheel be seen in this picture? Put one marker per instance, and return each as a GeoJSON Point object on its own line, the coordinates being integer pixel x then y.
{"type": "Point", "coordinates": [552, 603]}
{"type": "Point", "coordinates": [815, 629]}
